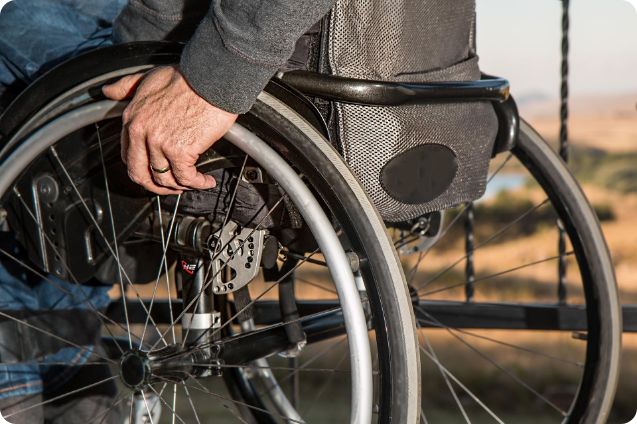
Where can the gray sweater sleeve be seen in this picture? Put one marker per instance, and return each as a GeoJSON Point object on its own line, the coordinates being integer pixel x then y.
{"type": "Point", "coordinates": [236, 49]}
{"type": "Point", "coordinates": [240, 44]}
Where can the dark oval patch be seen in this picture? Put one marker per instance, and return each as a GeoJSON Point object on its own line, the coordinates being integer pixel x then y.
{"type": "Point", "coordinates": [421, 174]}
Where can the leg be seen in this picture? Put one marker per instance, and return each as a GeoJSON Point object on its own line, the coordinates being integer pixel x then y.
{"type": "Point", "coordinates": [11, 405]}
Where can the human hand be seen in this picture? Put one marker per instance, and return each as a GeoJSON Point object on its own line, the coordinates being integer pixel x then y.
{"type": "Point", "coordinates": [167, 124]}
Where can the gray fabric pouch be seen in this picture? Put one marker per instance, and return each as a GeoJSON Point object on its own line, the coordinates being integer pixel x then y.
{"type": "Point", "coordinates": [412, 159]}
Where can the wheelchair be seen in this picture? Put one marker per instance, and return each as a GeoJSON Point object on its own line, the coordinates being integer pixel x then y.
{"type": "Point", "coordinates": [304, 268]}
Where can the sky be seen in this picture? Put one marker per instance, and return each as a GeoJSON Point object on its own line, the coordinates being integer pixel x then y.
{"type": "Point", "coordinates": [521, 40]}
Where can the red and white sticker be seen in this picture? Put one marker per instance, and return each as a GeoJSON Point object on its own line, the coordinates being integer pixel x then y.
{"type": "Point", "coordinates": [189, 268]}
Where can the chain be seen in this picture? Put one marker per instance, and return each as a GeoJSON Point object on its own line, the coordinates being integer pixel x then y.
{"type": "Point", "coordinates": [561, 288]}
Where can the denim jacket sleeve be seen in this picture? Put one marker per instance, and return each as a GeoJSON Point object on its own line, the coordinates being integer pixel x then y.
{"type": "Point", "coordinates": [237, 47]}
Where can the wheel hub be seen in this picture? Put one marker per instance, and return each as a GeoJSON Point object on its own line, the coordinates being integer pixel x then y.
{"type": "Point", "coordinates": [135, 370]}
{"type": "Point", "coordinates": [138, 369]}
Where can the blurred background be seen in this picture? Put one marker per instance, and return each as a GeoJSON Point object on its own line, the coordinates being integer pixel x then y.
{"type": "Point", "coordinates": [520, 40]}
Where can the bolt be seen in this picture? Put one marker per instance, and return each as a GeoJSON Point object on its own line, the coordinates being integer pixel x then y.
{"type": "Point", "coordinates": [45, 189]}
{"type": "Point", "coordinates": [252, 175]}
{"type": "Point", "coordinates": [230, 286]}
{"type": "Point", "coordinates": [251, 246]}
{"type": "Point", "coordinates": [248, 266]}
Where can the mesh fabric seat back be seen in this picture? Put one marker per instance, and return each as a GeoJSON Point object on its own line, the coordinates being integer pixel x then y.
{"type": "Point", "coordinates": [411, 41]}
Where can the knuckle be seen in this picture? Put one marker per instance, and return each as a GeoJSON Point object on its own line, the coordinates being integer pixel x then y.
{"type": "Point", "coordinates": [136, 177]}
{"type": "Point", "coordinates": [184, 180]}
{"type": "Point", "coordinates": [135, 129]}
{"type": "Point", "coordinates": [126, 115]}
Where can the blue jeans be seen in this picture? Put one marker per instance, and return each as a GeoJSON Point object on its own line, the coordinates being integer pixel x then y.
{"type": "Point", "coordinates": [35, 36]}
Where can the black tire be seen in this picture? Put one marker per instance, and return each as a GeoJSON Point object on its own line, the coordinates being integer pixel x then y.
{"type": "Point", "coordinates": [603, 351]}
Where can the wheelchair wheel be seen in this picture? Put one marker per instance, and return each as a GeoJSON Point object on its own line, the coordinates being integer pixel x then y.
{"type": "Point", "coordinates": [509, 329]}
{"type": "Point", "coordinates": [331, 299]}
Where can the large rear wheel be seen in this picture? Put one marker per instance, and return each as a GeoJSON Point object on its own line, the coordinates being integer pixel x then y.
{"type": "Point", "coordinates": [286, 203]}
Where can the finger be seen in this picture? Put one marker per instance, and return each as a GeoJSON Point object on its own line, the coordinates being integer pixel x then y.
{"type": "Point", "coordinates": [124, 88]}
{"type": "Point", "coordinates": [159, 161]}
{"type": "Point", "coordinates": [139, 165]}
{"type": "Point", "coordinates": [186, 175]}
{"type": "Point", "coordinates": [124, 143]}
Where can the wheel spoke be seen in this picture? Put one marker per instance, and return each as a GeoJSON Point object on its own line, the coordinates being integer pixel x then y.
{"type": "Point", "coordinates": [99, 230]}
{"type": "Point", "coordinates": [502, 230]}
{"type": "Point", "coordinates": [132, 400]}
{"type": "Point", "coordinates": [166, 404]}
{"type": "Point", "coordinates": [412, 272]}
{"type": "Point", "coordinates": [110, 212]}
{"type": "Point", "coordinates": [206, 345]}
{"type": "Point", "coordinates": [225, 221]}
{"type": "Point", "coordinates": [54, 336]}
{"type": "Point", "coordinates": [422, 349]}
{"type": "Point", "coordinates": [323, 387]}
{"type": "Point", "coordinates": [117, 402]}
{"type": "Point", "coordinates": [497, 274]}
{"type": "Point", "coordinates": [110, 408]}
{"type": "Point", "coordinates": [150, 414]}
{"type": "Point", "coordinates": [508, 158]}
{"type": "Point", "coordinates": [451, 389]}
{"type": "Point", "coordinates": [175, 403]}
{"type": "Point", "coordinates": [500, 342]}
{"type": "Point", "coordinates": [318, 286]}
{"type": "Point", "coordinates": [218, 400]}
{"type": "Point", "coordinates": [201, 388]}
{"type": "Point", "coordinates": [259, 367]}
{"type": "Point", "coordinates": [43, 277]}
{"type": "Point", "coordinates": [500, 367]}
{"type": "Point", "coordinates": [52, 245]}
{"type": "Point", "coordinates": [305, 364]}
{"type": "Point", "coordinates": [162, 264]}
{"type": "Point", "coordinates": [197, 298]}
{"type": "Point", "coordinates": [261, 330]}
{"type": "Point", "coordinates": [422, 416]}
{"type": "Point", "coordinates": [70, 364]}
{"type": "Point", "coordinates": [62, 396]}
{"type": "Point", "coordinates": [170, 298]}
{"type": "Point", "coordinates": [192, 405]}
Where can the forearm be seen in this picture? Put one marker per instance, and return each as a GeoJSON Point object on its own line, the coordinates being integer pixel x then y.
{"type": "Point", "coordinates": [240, 44]}
{"type": "Point", "coordinates": [237, 47]}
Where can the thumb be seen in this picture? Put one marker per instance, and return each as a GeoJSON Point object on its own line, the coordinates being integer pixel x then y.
{"type": "Point", "coordinates": [124, 88]}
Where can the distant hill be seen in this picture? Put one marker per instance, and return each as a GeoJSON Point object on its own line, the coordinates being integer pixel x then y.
{"type": "Point", "coordinates": [607, 123]}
